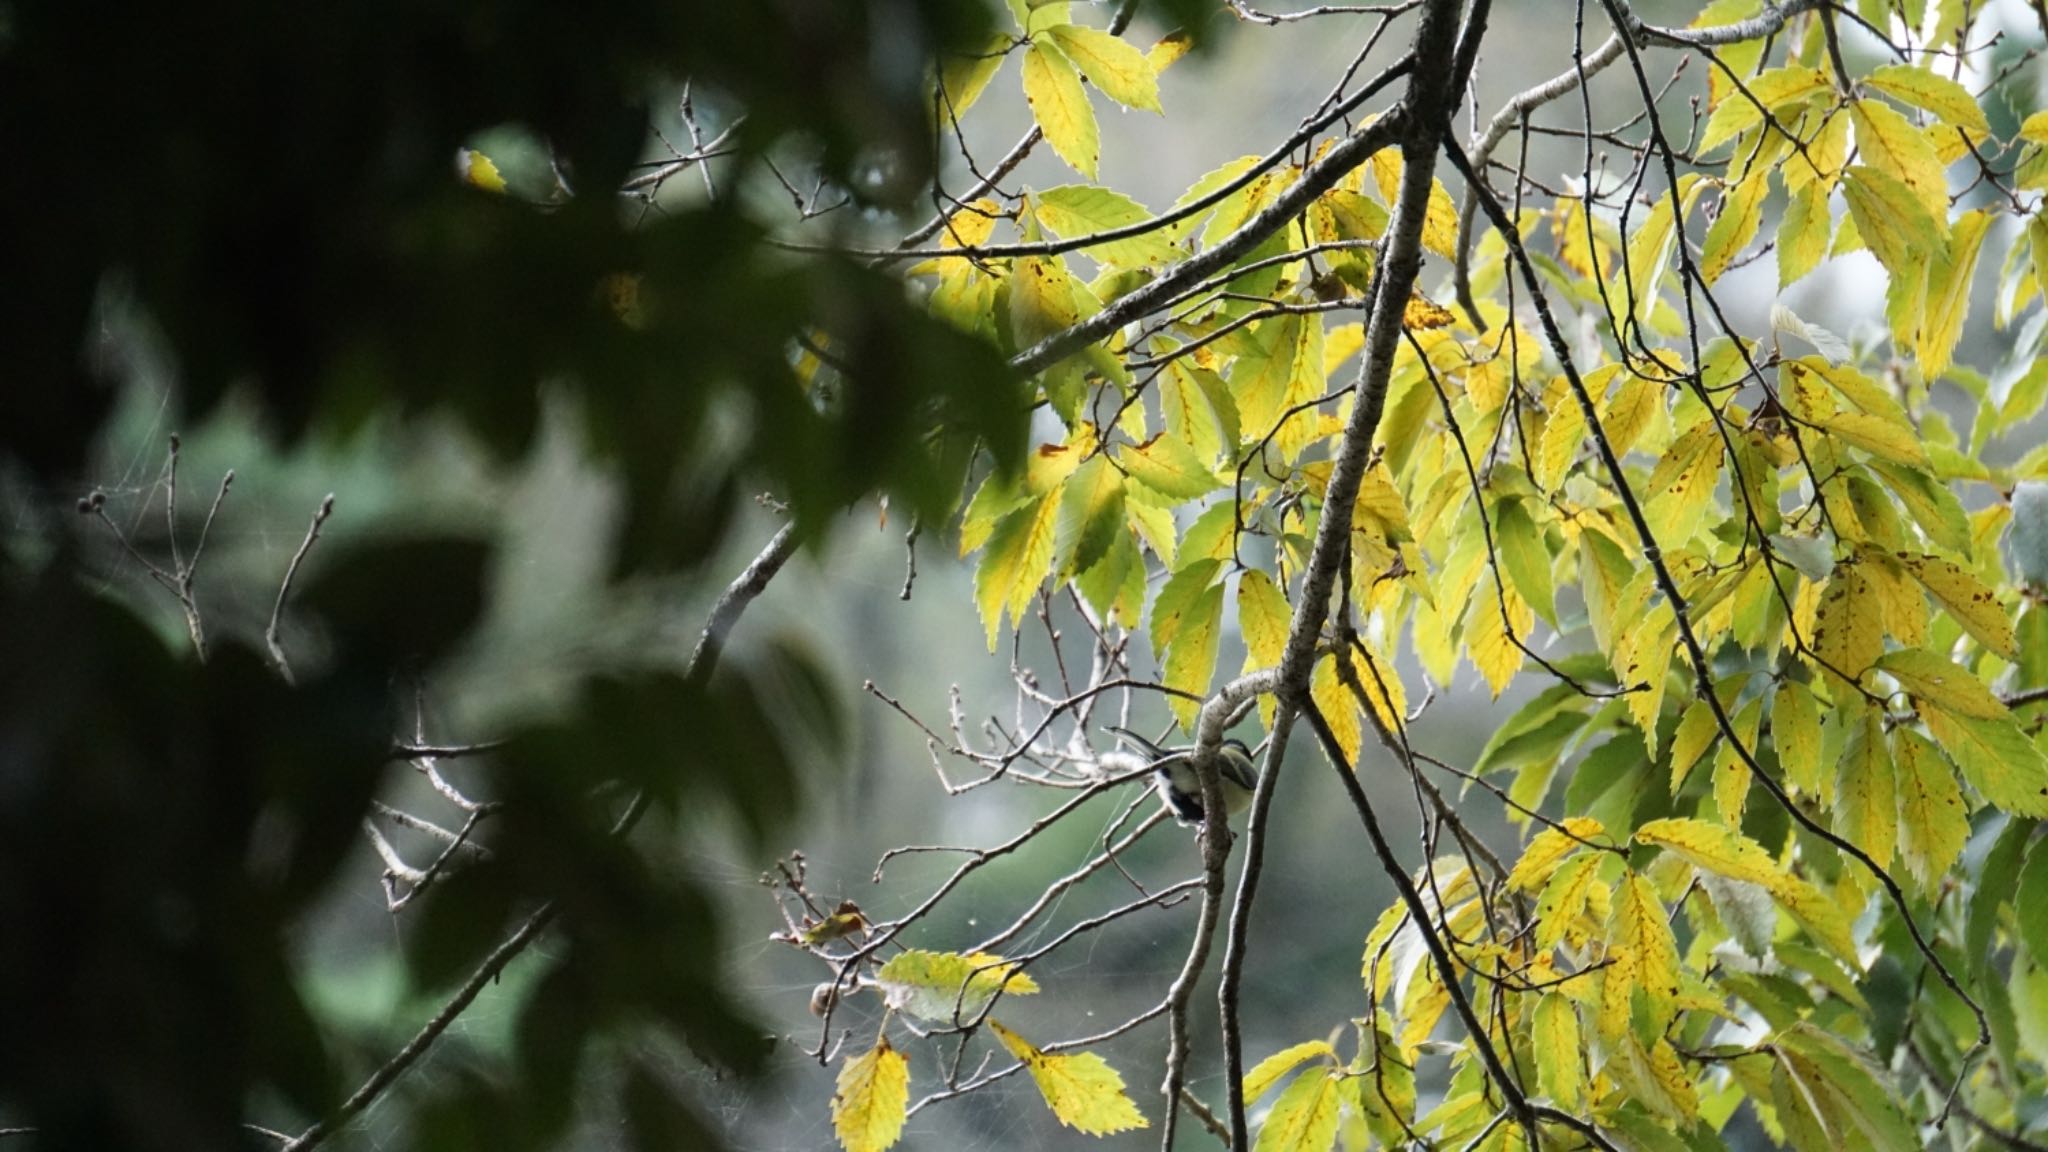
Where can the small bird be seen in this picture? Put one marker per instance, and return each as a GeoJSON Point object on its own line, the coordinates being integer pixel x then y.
{"type": "Point", "coordinates": [1174, 769]}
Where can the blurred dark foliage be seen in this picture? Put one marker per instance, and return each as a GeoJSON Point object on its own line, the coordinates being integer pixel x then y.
{"type": "Point", "coordinates": [273, 188]}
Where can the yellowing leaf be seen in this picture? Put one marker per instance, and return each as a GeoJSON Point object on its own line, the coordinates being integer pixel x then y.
{"type": "Point", "coordinates": [1923, 88]}
{"type": "Point", "coordinates": [1934, 679]}
{"type": "Point", "coordinates": [1887, 140]}
{"type": "Point", "coordinates": [1191, 661]}
{"type": "Point", "coordinates": [1268, 1072]}
{"type": "Point", "coordinates": [1934, 822]}
{"type": "Point", "coordinates": [1742, 209]}
{"type": "Point", "coordinates": [1776, 89]}
{"type": "Point", "coordinates": [1121, 71]}
{"type": "Point", "coordinates": [1084, 1092]}
{"type": "Point", "coordinates": [1803, 234]}
{"type": "Point", "coordinates": [1167, 465]}
{"type": "Point", "coordinates": [1304, 1118]}
{"type": "Point", "coordinates": [1564, 898]}
{"type": "Point", "coordinates": [1891, 218]}
{"type": "Point", "coordinates": [1967, 600]}
{"type": "Point", "coordinates": [1795, 731]}
{"type": "Point", "coordinates": [1948, 293]}
{"type": "Point", "coordinates": [1554, 1039]}
{"type": "Point", "coordinates": [1867, 807]}
{"type": "Point", "coordinates": [1996, 757]}
{"type": "Point", "coordinates": [932, 985]}
{"type": "Point", "coordinates": [1076, 210]}
{"type": "Point", "coordinates": [1263, 616]}
{"type": "Point", "coordinates": [1171, 47]}
{"type": "Point", "coordinates": [1060, 105]}
{"type": "Point", "coordinates": [1091, 514]}
{"type": "Point", "coordinates": [1877, 436]}
{"type": "Point", "coordinates": [1015, 563]}
{"type": "Point", "coordinates": [1848, 629]}
{"type": "Point", "coordinates": [963, 76]}
{"type": "Point", "coordinates": [1629, 411]}
{"type": "Point", "coordinates": [872, 1099]}
{"type": "Point", "coordinates": [1421, 315]}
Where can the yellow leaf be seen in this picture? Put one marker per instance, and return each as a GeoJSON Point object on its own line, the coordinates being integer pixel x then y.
{"type": "Point", "coordinates": [1934, 821]}
{"type": "Point", "coordinates": [1121, 71]}
{"type": "Point", "coordinates": [1742, 210]}
{"type": "Point", "coordinates": [1889, 141]}
{"type": "Point", "coordinates": [1867, 812]}
{"type": "Point", "coordinates": [1263, 617]}
{"type": "Point", "coordinates": [1171, 47]}
{"type": "Point", "coordinates": [1268, 1072]}
{"type": "Point", "coordinates": [1060, 105]}
{"type": "Point", "coordinates": [872, 1099]}
{"type": "Point", "coordinates": [1421, 314]}
{"type": "Point", "coordinates": [1564, 897]}
{"type": "Point", "coordinates": [1493, 645]}
{"type": "Point", "coordinates": [1639, 926]}
{"type": "Point", "coordinates": [1554, 1036]}
{"type": "Point", "coordinates": [1821, 915]}
{"type": "Point", "coordinates": [1717, 848]}
{"type": "Point", "coordinates": [1339, 707]}
{"type": "Point", "coordinates": [1084, 1092]}
{"type": "Point", "coordinates": [1304, 1118]}
{"type": "Point", "coordinates": [1923, 88]}
{"type": "Point", "coordinates": [1629, 411]}
{"type": "Point", "coordinates": [478, 170]}
{"type": "Point", "coordinates": [1563, 432]}
{"type": "Point", "coordinates": [1550, 846]}
{"type": "Point", "coordinates": [1967, 600]}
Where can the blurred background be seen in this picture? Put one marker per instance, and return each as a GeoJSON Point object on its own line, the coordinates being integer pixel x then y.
{"type": "Point", "coordinates": [554, 612]}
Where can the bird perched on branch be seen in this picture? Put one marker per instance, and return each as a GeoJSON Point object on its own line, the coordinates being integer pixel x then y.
{"type": "Point", "coordinates": [1181, 789]}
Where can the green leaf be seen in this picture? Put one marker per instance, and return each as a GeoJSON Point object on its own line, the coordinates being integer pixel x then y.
{"type": "Point", "coordinates": [1121, 71]}
{"type": "Point", "coordinates": [1932, 504]}
{"type": "Point", "coordinates": [1997, 880]}
{"type": "Point", "coordinates": [1892, 220]}
{"type": "Point", "coordinates": [1060, 105]}
{"type": "Point", "coordinates": [1524, 557]}
{"type": "Point", "coordinates": [2030, 904]}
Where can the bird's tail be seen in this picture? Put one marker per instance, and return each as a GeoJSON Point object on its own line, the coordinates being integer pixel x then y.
{"type": "Point", "coordinates": [1151, 749]}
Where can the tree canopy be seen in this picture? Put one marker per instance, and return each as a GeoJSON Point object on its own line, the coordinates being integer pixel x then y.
{"type": "Point", "coordinates": [1750, 856]}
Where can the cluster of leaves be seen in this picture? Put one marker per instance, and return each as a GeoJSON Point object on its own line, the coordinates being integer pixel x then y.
{"type": "Point", "coordinates": [1783, 784]}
